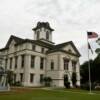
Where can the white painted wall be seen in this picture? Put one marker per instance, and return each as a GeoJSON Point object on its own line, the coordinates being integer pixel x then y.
{"type": "Point", "coordinates": [43, 34]}
{"type": "Point", "coordinates": [57, 74]}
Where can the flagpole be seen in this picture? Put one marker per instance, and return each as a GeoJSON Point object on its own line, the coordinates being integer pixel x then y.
{"type": "Point", "coordinates": [89, 66]}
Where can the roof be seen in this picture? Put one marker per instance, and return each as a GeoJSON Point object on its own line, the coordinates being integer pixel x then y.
{"type": "Point", "coordinates": [21, 41]}
{"type": "Point", "coordinates": [43, 24]}
{"type": "Point", "coordinates": [17, 40]}
{"type": "Point", "coordinates": [60, 46]}
{"type": "Point", "coordinates": [52, 48]}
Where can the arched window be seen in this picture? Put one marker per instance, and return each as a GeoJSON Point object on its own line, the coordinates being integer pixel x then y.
{"type": "Point", "coordinates": [47, 35]}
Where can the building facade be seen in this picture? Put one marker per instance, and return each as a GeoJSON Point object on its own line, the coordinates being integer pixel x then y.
{"type": "Point", "coordinates": [31, 60]}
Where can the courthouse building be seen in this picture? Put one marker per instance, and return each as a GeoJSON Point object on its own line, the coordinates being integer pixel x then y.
{"type": "Point", "coordinates": [33, 59]}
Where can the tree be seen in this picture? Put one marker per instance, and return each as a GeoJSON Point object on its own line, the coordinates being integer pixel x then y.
{"type": "Point", "coordinates": [74, 79]}
{"type": "Point", "coordinates": [66, 83]}
{"type": "Point", "coordinates": [94, 68]}
{"type": "Point", "coordinates": [84, 71]}
{"type": "Point", "coordinates": [47, 81]}
{"type": "Point", "coordinates": [10, 77]}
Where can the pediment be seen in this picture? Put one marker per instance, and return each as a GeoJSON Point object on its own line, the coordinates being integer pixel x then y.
{"type": "Point", "coordinates": [10, 42]}
{"type": "Point", "coordinates": [13, 40]}
{"type": "Point", "coordinates": [71, 48]}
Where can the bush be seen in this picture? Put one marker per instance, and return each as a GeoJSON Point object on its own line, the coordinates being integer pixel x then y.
{"type": "Point", "coordinates": [86, 86]}
{"type": "Point", "coordinates": [74, 79]}
{"type": "Point", "coordinates": [47, 81]}
{"type": "Point", "coordinates": [67, 84]}
{"type": "Point", "coordinates": [18, 83]}
{"type": "Point", "coordinates": [97, 85]}
{"type": "Point", "coordinates": [97, 88]}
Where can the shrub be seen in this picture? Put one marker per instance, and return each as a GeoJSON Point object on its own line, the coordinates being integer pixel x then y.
{"type": "Point", "coordinates": [67, 84]}
{"type": "Point", "coordinates": [86, 86]}
{"type": "Point", "coordinates": [47, 81]}
{"type": "Point", "coordinates": [18, 83]}
{"type": "Point", "coordinates": [74, 79]}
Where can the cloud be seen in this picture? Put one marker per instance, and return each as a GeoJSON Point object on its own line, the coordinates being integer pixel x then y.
{"type": "Point", "coordinates": [70, 18]}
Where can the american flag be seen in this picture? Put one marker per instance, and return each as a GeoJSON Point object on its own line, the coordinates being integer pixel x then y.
{"type": "Point", "coordinates": [92, 35]}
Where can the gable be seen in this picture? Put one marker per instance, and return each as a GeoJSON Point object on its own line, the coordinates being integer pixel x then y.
{"type": "Point", "coordinates": [69, 48]}
{"type": "Point", "coordinates": [13, 40]}
{"type": "Point", "coordinates": [12, 43]}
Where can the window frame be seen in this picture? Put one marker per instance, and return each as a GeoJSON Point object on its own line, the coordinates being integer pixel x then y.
{"type": "Point", "coordinates": [31, 77]}
{"type": "Point", "coordinates": [22, 61]}
{"type": "Point", "coordinates": [32, 61]}
{"type": "Point", "coordinates": [66, 64]}
{"type": "Point", "coordinates": [41, 63]}
{"type": "Point", "coordinates": [47, 35]}
{"type": "Point", "coordinates": [52, 65]}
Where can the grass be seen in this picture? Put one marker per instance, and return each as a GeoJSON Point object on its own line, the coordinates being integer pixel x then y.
{"type": "Point", "coordinates": [39, 94]}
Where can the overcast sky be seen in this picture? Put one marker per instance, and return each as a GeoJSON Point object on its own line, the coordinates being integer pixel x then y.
{"type": "Point", "coordinates": [70, 18]}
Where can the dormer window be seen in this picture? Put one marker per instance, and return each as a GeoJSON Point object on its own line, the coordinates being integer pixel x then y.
{"type": "Point", "coordinates": [38, 35]}
{"type": "Point", "coordinates": [47, 35]}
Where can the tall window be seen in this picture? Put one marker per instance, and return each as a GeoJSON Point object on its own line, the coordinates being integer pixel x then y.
{"type": "Point", "coordinates": [74, 66]}
{"type": "Point", "coordinates": [66, 63]}
{"type": "Point", "coordinates": [38, 35]}
{"type": "Point", "coordinates": [33, 47]}
{"type": "Point", "coordinates": [41, 78]}
{"type": "Point", "coordinates": [6, 60]}
{"type": "Point", "coordinates": [10, 63]}
{"type": "Point", "coordinates": [42, 50]}
{"type": "Point", "coordinates": [47, 35]}
{"type": "Point", "coordinates": [16, 58]}
{"type": "Point", "coordinates": [31, 78]}
{"type": "Point", "coordinates": [21, 77]}
{"type": "Point", "coordinates": [52, 65]}
{"type": "Point", "coordinates": [22, 64]}
{"type": "Point", "coordinates": [41, 63]}
{"type": "Point", "coordinates": [32, 61]}
{"type": "Point", "coordinates": [14, 77]}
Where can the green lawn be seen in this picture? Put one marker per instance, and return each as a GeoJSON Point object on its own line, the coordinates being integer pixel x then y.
{"type": "Point", "coordinates": [39, 94]}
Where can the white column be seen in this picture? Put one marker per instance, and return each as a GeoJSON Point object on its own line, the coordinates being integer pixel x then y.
{"type": "Point", "coordinates": [70, 72]}
{"type": "Point", "coordinates": [18, 68]}
{"type": "Point", "coordinates": [4, 63]}
{"type": "Point", "coordinates": [37, 71]}
{"type": "Point", "coordinates": [78, 73]}
{"type": "Point", "coordinates": [26, 77]}
{"type": "Point", "coordinates": [8, 64]}
{"type": "Point", "coordinates": [60, 83]}
{"type": "Point", "coordinates": [13, 63]}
